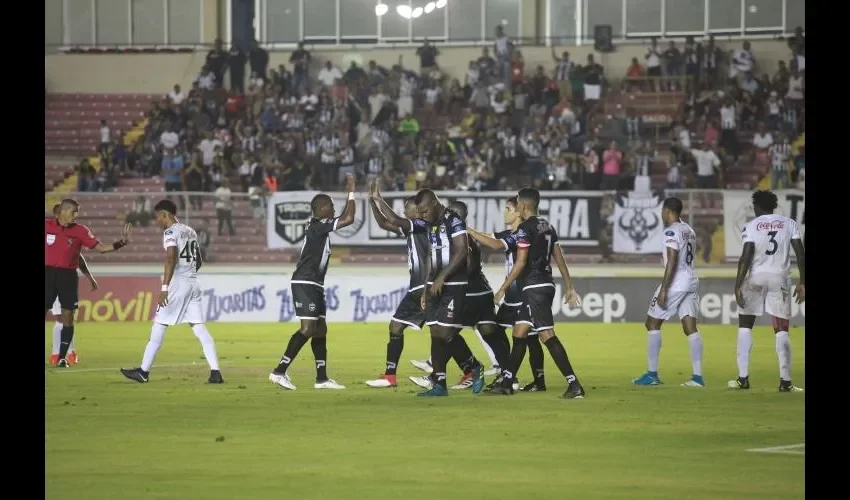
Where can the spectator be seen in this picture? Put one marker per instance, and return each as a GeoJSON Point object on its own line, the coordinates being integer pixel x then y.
{"type": "Point", "coordinates": [206, 80]}
{"type": "Point", "coordinates": [236, 61]}
{"type": "Point", "coordinates": [215, 64]}
{"type": "Point", "coordinates": [743, 62]}
{"type": "Point", "coordinates": [673, 66]}
{"type": "Point", "coordinates": [105, 137]}
{"type": "Point", "coordinates": [300, 60]}
{"type": "Point", "coordinates": [203, 238]}
{"type": "Point", "coordinates": [611, 167]}
{"type": "Point", "coordinates": [329, 75]}
{"type": "Point", "coordinates": [563, 68]}
{"type": "Point", "coordinates": [653, 64]}
{"type": "Point", "coordinates": [503, 48]}
{"type": "Point", "coordinates": [634, 76]}
{"type": "Point", "coordinates": [780, 155]}
{"type": "Point", "coordinates": [427, 54]}
{"type": "Point", "coordinates": [593, 74]}
{"type": "Point", "coordinates": [762, 140]}
{"type": "Point", "coordinates": [172, 171]}
{"type": "Point", "coordinates": [224, 207]}
{"type": "Point", "coordinates": [176, 96]}
{"type": "Point", "coordinates": [707, 161]}
{"type": "Point", "coordinates": [193, 181]}
{"type": "Point", "coordinates": [258, 58]}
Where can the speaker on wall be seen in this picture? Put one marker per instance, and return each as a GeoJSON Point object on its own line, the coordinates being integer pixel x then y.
{"type": "Point", "coordinates": [603, 35]}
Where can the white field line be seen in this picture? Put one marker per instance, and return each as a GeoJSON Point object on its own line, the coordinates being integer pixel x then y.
{"type": "Point", "coordinates": [89, 370]}
{"type": "Point", "coordinates": [791, 449]}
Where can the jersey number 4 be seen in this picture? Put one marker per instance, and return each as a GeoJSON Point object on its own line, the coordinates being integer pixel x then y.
{"type": "Point", "coordinates": [190, 252]}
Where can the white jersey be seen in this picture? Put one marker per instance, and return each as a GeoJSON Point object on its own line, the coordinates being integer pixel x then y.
{"type": "Point", "coordinates": [679, 236]}
{"type": "Point", "coordinates": [771, 234]}
{"type": "Point", "coordinates": [188, 251]}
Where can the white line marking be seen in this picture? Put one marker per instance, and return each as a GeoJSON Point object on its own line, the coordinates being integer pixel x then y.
{"type": "Point", "coordinates": [88, 370]}
{"type": "Point", "coordinates": [791, 449]}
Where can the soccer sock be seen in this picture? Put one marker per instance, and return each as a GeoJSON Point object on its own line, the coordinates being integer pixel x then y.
{"type": "Point", "coordinates": [535, 357]}
{"type": "Point", "coordinates": [157, 334]}
{"type": "Point", "coordinates": [72, 346]}
{"type": "Point", "coordinates": [57, 337]}
{"type": "Point", "coordinates": [65, 338]}
{"type": "Point", "coordinates": [208, 344]}
{"type": "Point", "coordinates": [494, 361]}
{"type": "Point", "coordinates": [439, 357]}
{"type": "Point", "coordinates": [518, 352]}
{"type": "Point", "coordinates": [745, 345]}
{"type": "Point", "coordinates": [320, 352]}
{"type": "Point", "coordinates": [459, 350]}
{"type": "Point", "coordinates": [783, 352]}
{"type": "Point", "coordinates": [296, 342]}
{"type": "Point", "coordinates": [653, 349]}
{"type": "Point", "coordinates": [559, 356]}
{"type": "Point", "coordinates": [502, 354]}
{"type": "Point", "coordinates": [394, 348]}
{"type": "Point", "coordinates": [695, 342]}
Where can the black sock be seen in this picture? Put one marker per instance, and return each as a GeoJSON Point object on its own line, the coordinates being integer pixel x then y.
{"type": "Point", "coordinates": [296, 342]}
{"type": "Point", "coordinates": [439, 357]}
{"type": "Point", "coordinates": [559, 356]}
{"type": "Point", "coordinates": [65, 340]}
{"type": "Point", "coordinates": [320, 352]}
{"type": "Point", "coordinates": [394, 348]}
{"type": "Point", "coordinates": [459, 350]}
{"type": "Point", "coordinates": [501, 352]}
{"type": "Point", "coordinates": [518, 352]}
{"type": "Point", "coordinates": [535, 358]}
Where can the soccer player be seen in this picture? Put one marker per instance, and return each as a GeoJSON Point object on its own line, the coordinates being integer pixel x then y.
{"type": "Point", "coordinates": [308, 289]}
{"type": "Point", "coordinates": [445, 290]}
{"type": "Point", "coordinates": [56, 311]}
{"type": "Point", "coordinates": [63, 242]}
{"type": "Point", "coordinates": [536, 243]}
{"type": "Point", "coordinates": [409, 312]}
{"type": "Point", "coordinates": [678, 294]}
{"type": "Point", "coordinates": [509, 309]}
{"type": "Point", "coordinates": [763, 285]}
{"type": "Point", "coordinates": [180, 296]}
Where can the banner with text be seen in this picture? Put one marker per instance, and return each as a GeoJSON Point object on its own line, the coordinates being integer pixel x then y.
{"type": "Point", "coordinates": [351, 298]}
{"type": "Point", "coordinates": [637, 223]}
{"type": "Point", "coordinates": [738, 210]}
{"type": "Point", "coordinates": [574, 214]}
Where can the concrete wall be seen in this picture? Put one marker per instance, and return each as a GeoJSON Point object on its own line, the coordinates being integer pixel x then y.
{"type": "Point", "coordinates": [157, 73]}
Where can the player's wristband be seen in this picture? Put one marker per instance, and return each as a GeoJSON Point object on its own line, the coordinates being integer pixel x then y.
{"type": "Point", "coordinates": [164, 288]}
{"type": "Point", "coordinates": [118, 244]}
{"type": "Point", "coordinates": [351, 196]}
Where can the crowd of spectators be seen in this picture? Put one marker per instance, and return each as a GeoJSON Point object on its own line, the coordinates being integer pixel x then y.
{"type": "Point", "coordinates": [498, 125]}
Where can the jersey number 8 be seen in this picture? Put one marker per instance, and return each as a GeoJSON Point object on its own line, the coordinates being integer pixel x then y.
{"type": "Point", "coordinates": [191, 252]}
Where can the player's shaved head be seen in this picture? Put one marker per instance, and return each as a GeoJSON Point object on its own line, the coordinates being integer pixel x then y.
{"type": "Point", "coordinates": [410, 200]}
{"type": "Point", "coordinates": [764, 202]}
{"type": "Point", "coordinates": [425, 196]}
{"type": "Point", "coordinates": [319, 202]}
{"type": "Point", "coordinates": [428, 205]}
{"type": "Point", "coordinates": [166, 206]}
{"type": "Point", "coordinates": [459, 208]}
{"type": "Point", "coordinates": [674, 205]}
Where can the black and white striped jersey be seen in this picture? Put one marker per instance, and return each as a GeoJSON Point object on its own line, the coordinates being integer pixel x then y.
{"type": "Point", "coordinates": [443, 247]}
{"type": "Point", "coordinates": [315, 252]}
{"type": "Point", "coordinates": [417, 252]}
{"type": "Point", "coordinates": [513, 296]}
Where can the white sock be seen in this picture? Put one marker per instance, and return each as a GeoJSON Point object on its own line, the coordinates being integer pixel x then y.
{"type": "Point", "coordinates": [653, 349]}
{"type": "Point", "coordinates": [695, 341]}
{"type": "Point", "coordinates": [157, 334]}
{"type": "Point", "coordinates": [783, 352]}
{"type": "Point", "coordinates": [57, 337]}
{"type": "Point", "coordinates": [745, 345]}
{"type": "Point", "coordinates": [487, 348]}
{"type": "Point", "coordinates": [207, 343]}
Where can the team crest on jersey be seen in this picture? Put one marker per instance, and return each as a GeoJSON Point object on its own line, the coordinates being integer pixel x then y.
{"type": "Point", "coordinates": [291, 220]}
{"type": "Point", "coordinates": [51, 239]}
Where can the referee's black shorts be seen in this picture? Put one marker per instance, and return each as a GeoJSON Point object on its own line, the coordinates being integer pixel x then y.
{"type": "Point", "coordinates": [60, 283]}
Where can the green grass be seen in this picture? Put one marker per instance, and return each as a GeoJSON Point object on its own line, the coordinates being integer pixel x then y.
{"type": "Point", "coordinates": [110, 438]}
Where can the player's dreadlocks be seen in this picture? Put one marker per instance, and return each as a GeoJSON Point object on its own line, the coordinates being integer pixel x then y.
{"type": "Point", "coordinates": [765, 200]}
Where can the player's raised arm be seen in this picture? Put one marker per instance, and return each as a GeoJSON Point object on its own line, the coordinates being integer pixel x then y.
{"type": "Point", "coordinates": [748, 253]}
{"type": "Point", "coordinates": [389, 214]}
{"type": "Point", "coordinates": [489, 240]}
{"type": "Point", "coordinates": [347, 217]}
{"type": "Point", "coordinates": [570, 295]}
{"type": "Point", "coordinates": [800, 251]}
{"type": "Point", "coordinates": [84, 268]}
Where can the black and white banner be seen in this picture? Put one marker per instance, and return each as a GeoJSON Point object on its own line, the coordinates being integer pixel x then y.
{"type": "Point", "coordinates": [574, 214]}
{"type": "Point", "coordinates": [738, 211]}
{"type": "Point", "coordinates": [637, 223]}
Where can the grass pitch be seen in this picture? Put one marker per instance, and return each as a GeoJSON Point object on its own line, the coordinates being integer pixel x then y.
{"type": "Point", "coordinates": [177, 438]}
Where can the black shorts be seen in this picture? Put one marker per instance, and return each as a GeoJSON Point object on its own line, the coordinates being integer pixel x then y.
{"type": "Point", "coordinates": [409, 311]}
{"type": "Point", "coordinates": [536, 309]}
{"type": "Point", "coordinates": [309, 301]}
{"type": "Point", "coordinates": [507, 315]}
{"type": "Point", "coordinates": [60, 283]}
{"type": "Point", "coordinates": [479, 309]}
{"type": "Point", "coordinates": [447, 308]}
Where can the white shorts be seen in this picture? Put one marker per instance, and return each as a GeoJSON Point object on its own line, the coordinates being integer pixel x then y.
{"type": "Point", "coordinates": [57, 309]}
{"type": "Point", "coordinates": [767, 294]}
{"type": "Point", "coordinates": [680, 303]}
{"type": "Point", "coordinates": [184, 304]}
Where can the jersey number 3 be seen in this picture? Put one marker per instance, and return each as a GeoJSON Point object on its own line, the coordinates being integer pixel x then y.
{"type": "Point", "coordinates": [190, 252]}
{"type": "Point", "coordinates": [772, 244]}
